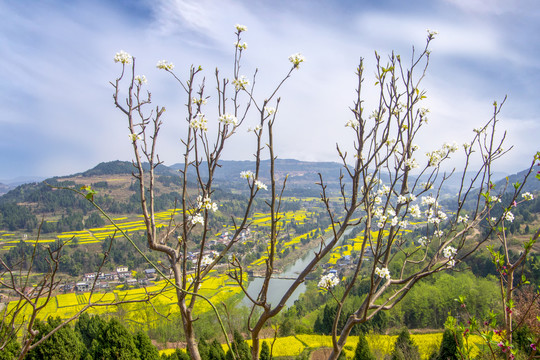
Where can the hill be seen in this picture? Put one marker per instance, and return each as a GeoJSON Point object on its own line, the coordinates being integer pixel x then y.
{"type": "Point", "coordinates": [117, 189]}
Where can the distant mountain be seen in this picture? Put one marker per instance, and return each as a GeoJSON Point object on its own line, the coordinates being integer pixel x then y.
{"type": "Point", "coordinates": [532, 185]}
{"type": "Point", "coordinates": [452, 182]}
{"type": "Point", "coordinates": [10, 184]}
{"type": "Point", "coordinates": [119, 167]}
{"type": "Point", "coordinates": [4, 188]}
{"type": "Point", "coordinates": [302, 179]}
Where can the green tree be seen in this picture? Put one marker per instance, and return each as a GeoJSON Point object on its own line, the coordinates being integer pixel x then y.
{"type": "Point", "coordinates": [94, 220]}
{"type": "Point", "coordinates": [240, 348]}
{"type": "Point", "coordinates": [144, 345]}
{"type": "Point", "coordinates": [449, 346]}
{"type": "Point", "coordinates": [363, 352]}
{"type": "Point", "coordinates": [405, 348]}
{"type": "Point", "coordinates": [109, 340]}
{"type": "Point", "coordinates": [11, 347]}
{"type": "Point", "coordinates": [265, 351]}
{"type": "Point", "coordinates": [118, 343]}
{"type": "Point", "coordinates": [90, 328]}
{"type": "Point", "coordinates": [63, 344]}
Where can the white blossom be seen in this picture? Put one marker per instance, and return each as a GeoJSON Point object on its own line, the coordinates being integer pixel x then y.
{"type": "Point", "coordinates": [199, 101]}
{"type": "Point", "coordinates": [383, 273]}
{"type": "Point", "coordinates": [401, 199]}
{"type": "Point", "coordinates": [375, 115]}
{"type": "Point", "coordinates": [423, 115]}
{"type": "Point", "coordinates": [462, 219]}
{"type": "Point", "coordinates": [395, 221]}
{"type": "Point", "coordinates": [228, 119]}
{"type": "Point", "coordinates": [450, 148]}
{"type": "Point", "coordinates": [433, 220]}
{"type": "Point", "coordinates": [435, 158]}
{"type": "Point", "coordinates": [423, 241]}
{"type": "Point", "coordinates": [352, 124]}
{"type": "Point", "coordinates": [296, 59]}
{"type": "Point", "coordinates": [123, 57]}
{"type": "Point", "coordinates": [246, 174]}
{"type": "Point", "coordinates": [403, 224]}
{"type": "Point", "coordinates": [384, 190]}
{"type": "Point", "coordinates": [328, 281]}
{"type": "Point", "coordinates": [442, 216]}
{"type": "Point", "coordinates": [199, 122]}
{"type": "Point", "coordinates": [527, 196]}
{"type": "Point", "coordinates": [381, 222]}
{"type": "Point", "coordinates": [509, 216]}
{"type": "Point", "coordinates": [206, 203]}
{"type": "Point", "coordinates": [426, 185]}
{"type": "Point", "coordinates": [240, 28]}
{"type": "Point", "coordinates": [415, 211]}
{"type": "Point", "coordinates": [206, 260]}
{"type": "Point", "coordinates": [141, 79]}
{"type": "Point", "coordinates": [197, 219]}
{"type": "Point", "coordinates": [241, 46]}
{"type": "Point", "coordinates": [255, 129]}
{"type": "Point", "coordinates": [495, 199]}
{"type": "Point", "coordinates": [378, 213]}
{"type": "Point", "coordinates": [449, 252]}
{"type": "Point", "coordinates": [240, 83]}
{"type": "Point", "coordinates": [260, 185]}
{"type": "Point", "coordinates": [270, 110]}
{"type": "Point", "coordinates": [165, 65]}
{"type": "Point", "coordinates": [429, 200]}
{"type": "Point", "coordinates": [134, 137]}
{"type": "Point", "coordinates": [411, 163]}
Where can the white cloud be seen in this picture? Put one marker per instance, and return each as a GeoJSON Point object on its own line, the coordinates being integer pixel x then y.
{"type": "Point", "coordinates": [59, 62]}
{"type": "Point", "coordinates": [495, 7]}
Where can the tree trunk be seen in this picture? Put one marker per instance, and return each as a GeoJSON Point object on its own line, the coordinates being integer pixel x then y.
{"type": "Point", "coordinates": [255, 345]}
{"type": "Point", "coordinates": [187, 321]}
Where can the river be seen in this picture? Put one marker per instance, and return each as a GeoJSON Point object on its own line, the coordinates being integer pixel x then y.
{"type": "Point", "coordinates": [278, 287]}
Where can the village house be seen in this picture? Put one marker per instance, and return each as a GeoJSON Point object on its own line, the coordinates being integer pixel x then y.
{"type": "Point", "coordinates": [82, 286]}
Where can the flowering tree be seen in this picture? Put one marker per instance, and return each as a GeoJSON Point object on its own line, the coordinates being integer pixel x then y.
{"type": "Point", "coordinates": [201, 153]}
{"type": "Point", "coordinates": [500, 335]}
{"type": "Point", "coordinates": [378, 192]}
{"type": "Point", "coordinates": [386, 199]}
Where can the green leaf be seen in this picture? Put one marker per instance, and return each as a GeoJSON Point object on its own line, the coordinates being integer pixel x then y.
{"type": "Point", "coordinates": [89, 192]}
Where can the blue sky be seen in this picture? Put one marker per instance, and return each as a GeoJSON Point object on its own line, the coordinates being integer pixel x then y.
{"type": "Point", "coordinates": [57, 115]}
